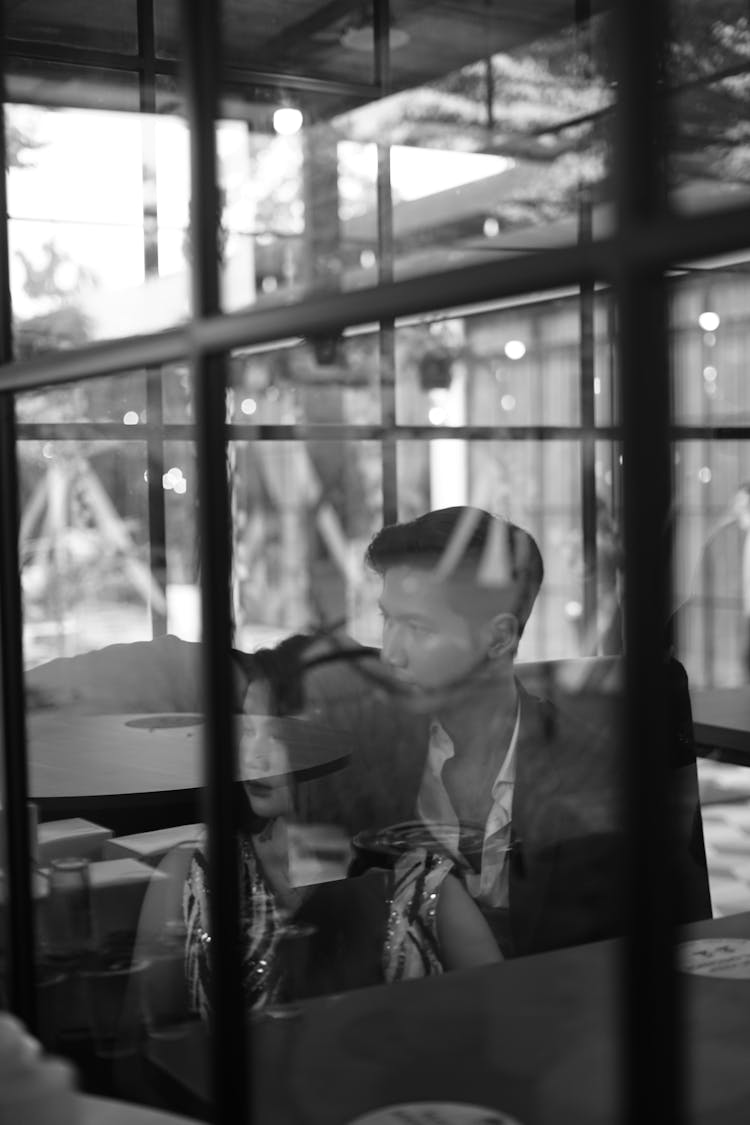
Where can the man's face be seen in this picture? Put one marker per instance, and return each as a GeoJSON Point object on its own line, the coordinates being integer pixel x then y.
{"type": "Point", "coordinates": [427, 642]}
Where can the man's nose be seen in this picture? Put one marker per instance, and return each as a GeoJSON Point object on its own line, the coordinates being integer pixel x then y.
{"type": "Point", "coordinates": [393, 651]}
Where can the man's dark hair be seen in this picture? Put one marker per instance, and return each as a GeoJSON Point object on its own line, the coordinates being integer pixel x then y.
{"type": "Point", "coordinates": [428, 541]}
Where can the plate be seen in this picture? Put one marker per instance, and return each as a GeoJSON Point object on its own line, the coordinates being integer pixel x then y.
{"type": "Point", "coordinates": [164, 722]}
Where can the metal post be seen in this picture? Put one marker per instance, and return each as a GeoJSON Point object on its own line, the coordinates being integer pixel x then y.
{"type": "Point", "coordinates": [157, 531]}
{"type": "Point", "coordinates": [200, 21]}
{"type": "Point", "coordinates": [653, 1042]}
{"type": "Point", "coordinates": [21, 938]}
{"type": "Point", "coordinates": [387, 332]}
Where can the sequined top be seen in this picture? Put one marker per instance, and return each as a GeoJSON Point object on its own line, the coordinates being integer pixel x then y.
{"type": "Point", "coordinates": [262, 922]}
{"type": "Point", "coordinates": [410, 948]}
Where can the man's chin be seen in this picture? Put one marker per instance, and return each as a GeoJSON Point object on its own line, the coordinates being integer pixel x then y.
{"type": "Point", "coordinates": [438, 698]}
{"type": "Point", "coordinates": [425, 699]}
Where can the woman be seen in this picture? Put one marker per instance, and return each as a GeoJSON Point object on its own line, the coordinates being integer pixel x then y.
{"type": "Point", "coordinates": [304, 935]}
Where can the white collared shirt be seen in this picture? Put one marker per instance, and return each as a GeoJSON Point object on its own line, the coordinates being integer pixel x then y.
{"type": "Point", "coordinates": [434, 805]}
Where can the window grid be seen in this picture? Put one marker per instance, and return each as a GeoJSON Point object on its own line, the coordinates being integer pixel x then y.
{"type": "Point", "coordinates": [642, 247]}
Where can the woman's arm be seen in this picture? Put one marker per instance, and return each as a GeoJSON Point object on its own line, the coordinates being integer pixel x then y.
{"type": "Point", "coordinates": [464, 937]}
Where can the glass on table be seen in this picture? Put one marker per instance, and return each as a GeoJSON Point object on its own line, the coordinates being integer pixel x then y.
{"type": "Point", "coordinates": [69, 930]}
{"type": "Point", "coordinates": [114, 984]}
{"type": "Point", "coordinates": [65, 947]}
{"type": "Point", "coordinates": [166, 995]}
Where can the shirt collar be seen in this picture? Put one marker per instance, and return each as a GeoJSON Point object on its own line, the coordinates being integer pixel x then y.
{"type": "Point", "coordinates": [441, 750]}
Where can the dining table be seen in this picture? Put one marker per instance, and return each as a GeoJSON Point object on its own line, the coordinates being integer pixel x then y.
{"type": "Point", "coordinates": [110, 1111]}
{"type": "Point", "coordinates": [535, 1037]}
{"type": "Point", "coordinates": [137, 772]}
{"type": "Point", "coordinates": [721, 721]}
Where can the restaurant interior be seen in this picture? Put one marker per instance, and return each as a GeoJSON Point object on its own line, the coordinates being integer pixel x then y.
{"type": "Point", "coordinates": [278, 281]}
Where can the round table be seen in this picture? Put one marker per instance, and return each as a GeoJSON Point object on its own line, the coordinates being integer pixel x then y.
{"type": "Point", "coordinates": [153, 764]}
{"type": "Point", "coordinates": [104, 1111]}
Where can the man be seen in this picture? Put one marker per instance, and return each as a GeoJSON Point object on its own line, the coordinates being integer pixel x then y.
{"type": "Point", "coordinates": [457, 589]}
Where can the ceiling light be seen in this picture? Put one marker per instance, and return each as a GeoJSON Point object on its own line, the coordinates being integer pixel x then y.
{"type": "Point", "coordinates": [515, 349]}
{"type": "Point", "coordinates": [287, 120]}
{"type": "Point", "coordinates": [709, 321]}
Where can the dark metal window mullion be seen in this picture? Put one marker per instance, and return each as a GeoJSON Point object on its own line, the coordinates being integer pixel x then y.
{"type": "Point", "coordinates": [649, 993]}
{"type": "Point", "coordinates": [587, 300]}
{"type": "Point", "coordinates": [652, 246]}
{"type": "Point", "coordinates": [21, 944]}
{"type": "Point", "coordinates": [157, 523]}
{"type": "Point", "coordinates": [231, 1102]}
{"type": "Point", "coordinates": [387, 330]}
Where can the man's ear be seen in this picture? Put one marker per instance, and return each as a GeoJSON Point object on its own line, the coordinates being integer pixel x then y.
{"type": "Point", "coordinates": [504, 635]}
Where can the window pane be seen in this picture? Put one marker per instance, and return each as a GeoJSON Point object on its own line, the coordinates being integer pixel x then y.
{"type": "Point", "coordinates": [710, 598]}
{"type": "Point", "coordinates": [111, 616]}
{"type": "Point", "coordinates": [708, 75]}
{"type": "Point", "coordinates": [710, 346]}
{"type": "Point", "coordinates": [512, 365]}
{"type": "Point", "coordinates": [508, 155]}
{"type": "Point", "coordinates": [332, 380]}
{"type": "Point", "coordinates": [299, 38]}
{"type": "Point", "coordinates": [96, 400]}
{"type": "Point", "coordinates": [42, 83]}
{"type": "Point", "coordinates": [78, 229]}
{"type": "Point", "coordinates": [84, 545]}
{"type": "Point", "coordinates": [303, 515]}
{"type": "Point", "coordinates": [109, 27]}
{"type": "Point", "coordinates": [533, 484]}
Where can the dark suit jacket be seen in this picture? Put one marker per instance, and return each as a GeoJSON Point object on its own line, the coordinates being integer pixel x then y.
{"type": "Point", "coordinates": [569, 846]}
{"type": "Point", "coordinates": [567, 862]}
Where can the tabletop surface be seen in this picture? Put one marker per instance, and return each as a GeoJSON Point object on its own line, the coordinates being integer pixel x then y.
{"type": "Point", "coordinates": [534, 1037]}
{"type": "Point", "coordinates": [105, 1111]}
{"type": "Point", "coordinates": [721, 721]}
{"type": "Point", "coordinates": [81, 755]}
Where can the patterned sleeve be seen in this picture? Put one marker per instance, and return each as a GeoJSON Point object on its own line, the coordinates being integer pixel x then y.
{"type": "Point", "coordinates": [411, 947]}
{"type": "Point", "coordinates": [261, 927]}
{"type": "Point", "coordinates": [195, 913]}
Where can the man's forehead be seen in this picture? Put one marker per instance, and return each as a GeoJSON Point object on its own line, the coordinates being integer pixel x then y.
{"type": "Point", "coordinates": [460, 592]}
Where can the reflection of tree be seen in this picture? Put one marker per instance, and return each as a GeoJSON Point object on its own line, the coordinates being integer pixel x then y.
{"type": "Point", "coordinates": [548, 106]}
{"type": "Point", "coordinates": [73, 539]}
{"type": "Point", "coordinates": [75, 543]}
{"type": "Point", "coordinates": [50, 282]}
{"type": "Point", "coordinates": [709, 66]}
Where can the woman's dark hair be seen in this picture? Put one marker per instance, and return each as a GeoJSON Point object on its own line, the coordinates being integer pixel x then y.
{"type": "Point", "coordinates": [282, 669]}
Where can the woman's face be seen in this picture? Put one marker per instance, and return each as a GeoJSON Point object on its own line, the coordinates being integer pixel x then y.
{"type": "Point", "coordinates": [264, 757]}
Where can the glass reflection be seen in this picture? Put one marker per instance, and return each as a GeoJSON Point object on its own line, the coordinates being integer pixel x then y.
{"type": "Point", "coordinates": [435, 761]}
{"type": "Point", "coordinates": [710, 595]}
{"type": "Point", "coordinates": [707, 71]}
{"type": "Point", "coordinates": [710, 343]}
